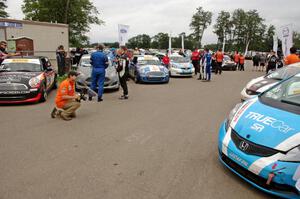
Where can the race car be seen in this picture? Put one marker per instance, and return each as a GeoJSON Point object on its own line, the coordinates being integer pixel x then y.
{"type": "Point", "coordinates": [148, 69]}
{"type": "Point", "coordinates": [180, 66]}
{"type": "Point", "coordinates": [26, 79]}
{"type": "Point", "coordinates": [260, 84]}
{"type": "Point", "coordinates": [111, 76]}
{"type": "Point", "coordinates": [228, 64]}
{"type": "Point", "coordinates": [260, 140]}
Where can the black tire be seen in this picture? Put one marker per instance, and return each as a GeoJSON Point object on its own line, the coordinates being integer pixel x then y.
{"type": "Point", "coordinates": [136, 79]}
{"type": "Point", "coordinates": [55, 83]}
{"type": "Point", "coordinates": [44, 93]}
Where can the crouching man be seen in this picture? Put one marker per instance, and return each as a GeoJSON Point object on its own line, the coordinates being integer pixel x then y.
{"type": "Point", "coordinates": [66, 98]}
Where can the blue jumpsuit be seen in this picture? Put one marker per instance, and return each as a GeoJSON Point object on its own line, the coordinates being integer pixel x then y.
{"type": "Point", "coordinates": [207, 59]}
{"type": "Point", "coordinates": [99, 62]}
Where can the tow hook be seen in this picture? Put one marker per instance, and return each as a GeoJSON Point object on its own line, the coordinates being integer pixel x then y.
{"type": "Point", "coordinates": [272, 175]}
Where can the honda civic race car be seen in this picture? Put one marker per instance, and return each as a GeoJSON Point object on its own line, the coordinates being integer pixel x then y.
{"type": "Point", "coordinates": [26, 79]}
{"type": "Point", "coordinates": [181, 66]}
{"type": "Point", "coordinates": [260, 140]}
{"type": "Point", "coordinates": [148, 69]}
{"type": "Point", "coordinates": [260, 84]}
{"type": "Point", "coordinates": [111, 76]}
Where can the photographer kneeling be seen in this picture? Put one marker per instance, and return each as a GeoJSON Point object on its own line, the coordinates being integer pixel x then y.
{"type": "Point", "coordinates": [66, 98]}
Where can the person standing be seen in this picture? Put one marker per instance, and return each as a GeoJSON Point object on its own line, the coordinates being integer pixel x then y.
{"type": "Point", "coordinates": [236, 58]}
{"type": "Point", "coordinates": [262, 61]}
{"type": "Point", "coordinates": [196, 60]}
{"type": "Point", "coordinates": [3, 53]}
{"type": "Point", "coordinates": [255, 60]}
{"type": "Point", "coordinates": [61, 60]}
{"type": "Point", "coordinates": [166, 60]}
{"type": "Point", "coordinates": [272, 62]}
{"type": "Point", "coordinates": [123, 70]}
{"type": "Point", "coordinates": [207, 61]}
{"type": "Point", "coordinates": [292, 58]}
{"type": "Point", "coordinates": [99, 62]}
{"type": "Point", "coordinates": [219, 59]}
{"type": "Point", "coordinates": [241, 62]}
{"type": "Point", "coordinates": [66, 98]}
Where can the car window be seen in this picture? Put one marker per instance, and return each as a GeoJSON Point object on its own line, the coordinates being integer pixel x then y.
{"type": "Point", "coordinates": [149, 62]}
{"type": "Point", "coordinates": [85, 62]}
{"type": "Point", "coordinates": [179, 59]}
{"type": "Point", "coordinates": [21, 65]}
{"type": "Point", "coordinates": [283, 73]}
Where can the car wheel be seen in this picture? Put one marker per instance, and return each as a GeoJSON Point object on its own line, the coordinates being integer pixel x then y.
{"type": "Point", "coordinates": [136, 79]}
{"type": "Point", "coordinates": [44, 94]}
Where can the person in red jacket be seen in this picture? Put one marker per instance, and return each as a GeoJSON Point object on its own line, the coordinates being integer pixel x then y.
{"type": "Point", "coordinates": [196, 60]}
{"type": "Point", "coordinates": [241, 62]}
{"type": "Point", "coordinates": [236, 58]}
{"type": "Point", "coordinates": [166, 60]}
{"type": "Point", "coordinates": [219, 58]}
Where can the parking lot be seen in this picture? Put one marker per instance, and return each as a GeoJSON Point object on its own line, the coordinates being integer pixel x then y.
{"type": "Point", "coordinates": [160, 144]}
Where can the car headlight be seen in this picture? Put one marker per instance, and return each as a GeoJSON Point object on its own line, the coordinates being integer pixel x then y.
{"type": "Point", "coordinates": [36, 81]}
{"type": "Point", "coordinates": [292, 156]}
{"type": "Point", "coordinates": [174, 66]}
{"type": "Point", "coordinates": [231, 114]}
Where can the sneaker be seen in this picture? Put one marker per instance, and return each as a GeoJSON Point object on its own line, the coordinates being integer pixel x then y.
{"type": "Point", "coordinates": [65, 118]}
{"type": "Point", "coordinates": [123, 97]}
{"type": "Point", "coordinates": [54, 113]}
{"type": "Point", "coordinates": [90, 98]}
{"type": "Point", "coordinates": [73, 115]}
{"type": "Point", "coordinates": [100, 100]}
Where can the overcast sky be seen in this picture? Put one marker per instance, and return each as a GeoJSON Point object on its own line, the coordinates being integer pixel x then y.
{"type": "Point", "coordinates": [153, 16]}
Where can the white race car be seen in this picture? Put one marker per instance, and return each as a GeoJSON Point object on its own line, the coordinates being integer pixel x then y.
{"type": "Point", "coordinates": [180, 66]}
{"type": "Point", "coordinates": [261, 84]}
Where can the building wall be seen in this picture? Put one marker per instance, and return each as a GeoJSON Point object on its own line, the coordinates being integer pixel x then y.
{"type": "Point", "coordinates": [46, 38]}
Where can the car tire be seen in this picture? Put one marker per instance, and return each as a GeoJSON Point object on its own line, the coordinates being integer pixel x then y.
{"type": "Point", "coordinates": [55, 86]}
{"type": "Point", "coordinates": [136, 79]}
{"type": "Point", "coordinates": [44, 94]}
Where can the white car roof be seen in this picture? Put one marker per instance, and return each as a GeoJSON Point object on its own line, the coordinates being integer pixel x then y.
{"type": "Point", "coordinates": [148, 57]}
{"type": "Point", "coordinates": [295, 64]}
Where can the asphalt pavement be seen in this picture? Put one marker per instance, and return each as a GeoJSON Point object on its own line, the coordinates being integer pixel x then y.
{"type": "Point", "coordinates": [159, 144]}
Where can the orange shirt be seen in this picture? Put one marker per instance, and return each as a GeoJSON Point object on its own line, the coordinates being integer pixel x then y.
{"type": "Point", "coordinates": [219, 56]}
{"type": "Point", "coordinates": [291, 59]}
{"type": "Point", "coordinates": [65, 88]}
{"type": "Point", "coordinates": [242, 59]}
{"type": "Point", "coordinates": [236, 58]}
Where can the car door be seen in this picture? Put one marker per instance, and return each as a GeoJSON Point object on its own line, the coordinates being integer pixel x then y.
{"type": "Point", "coordinates": [49, 72]}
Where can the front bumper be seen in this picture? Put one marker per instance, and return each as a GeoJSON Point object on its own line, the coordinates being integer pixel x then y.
{"type": "Point", "coordinates": [154, 79]}
{"type": "Point", "coordinates": [20, 98]}
{"type": "Point", "coordinates": [182, 72]}
{"type": "Point", "coordinates": [282, 184]}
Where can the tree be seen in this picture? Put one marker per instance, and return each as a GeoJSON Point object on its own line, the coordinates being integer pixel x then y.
{"type": "Point", "coordinates": [200, 21]}
{"type": "Point", "coordinates": [160, 41]}
{"type": "Point", "coordinates": [223, 26]}
{"type": "Point", "coordinates": [3, 6]}
{"type": "Point", "coordinates": [79, 14]}
{"type": "Point", "coordinates": [268, 40]}
{"type": "Point", "coordinates": [238, 22]}
{"type": "Point", "coordinates": [140, 41]}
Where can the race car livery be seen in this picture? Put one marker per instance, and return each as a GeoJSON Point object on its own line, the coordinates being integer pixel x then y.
{"type": "Point", "coordinates": [148, 69]}
{"type": "Point", "coordinates": [26, 79]}
{"type": "Point", "coordinates": [260, 140]}
{"type": "Point", "coordinates": [180, 66]}
{"type": "Point", "coordinates": [261, 84]}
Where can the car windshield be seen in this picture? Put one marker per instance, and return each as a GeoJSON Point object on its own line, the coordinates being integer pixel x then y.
{"type": "Point", "coordinates": [283, 73]}
{"type": "Point", "coordinates": [149, 62]}
{"type": "Point", "coordinates": [20, 67]}
{"type": "Point", "coordinates": [226, 58]}
{"type": "Point", "coordinates": [179, 59]}
{"type": "Point", "coordinates": [285, 93]}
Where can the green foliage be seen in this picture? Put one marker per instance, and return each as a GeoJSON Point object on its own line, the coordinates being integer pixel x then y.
{"type": "Point", "coordinates": [160, 41]}
{"type": "Point", "coordinates": [3, 6]}
{"type": "Point", "coordinates": [140, 41]}
{"type": "Point", "coordinates": [200, 21]}
{"type": "Point", "coordinates": [79, 14]}
{"type": "Point", "coordinates": [223, 26]}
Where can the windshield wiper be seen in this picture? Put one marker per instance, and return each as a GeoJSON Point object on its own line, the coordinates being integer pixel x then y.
{"type": "Point", "coordinates": [23, 70]}
{"type": "Point", "coordinates": [4, 69]}
{"type": "Point", "coordinates": [290, 102]}
{"type": "Point", "coordinates": [277, 78]}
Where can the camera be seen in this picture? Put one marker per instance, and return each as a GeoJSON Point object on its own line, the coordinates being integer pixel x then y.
{"type": "Point", "coordinates": [83, 89]}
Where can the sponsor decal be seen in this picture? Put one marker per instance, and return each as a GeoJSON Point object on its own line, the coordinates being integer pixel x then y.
{"type": "Point", "coordinates": [238, 159]}
{"type": "Point", "coordinates": [257, 127]}
{"type": "Point", "coordinates": [268, 121]}
{"type": "Point", "coordinates": [32, 61]}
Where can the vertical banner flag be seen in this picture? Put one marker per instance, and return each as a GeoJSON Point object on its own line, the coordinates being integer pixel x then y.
{"type": "Point", "coordinates": [123, 34]}
{"type": "Point", "coordinates": [275, 43]}
{"type": "Point", "coordinates": [170, 44]}
{"type": "Point", "coordinates": [287, 39]}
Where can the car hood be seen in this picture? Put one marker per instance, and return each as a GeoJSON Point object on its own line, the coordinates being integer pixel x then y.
{"type": "Point", "coordinates": [152, 68]}
{"type": "Point", "coordinates": [182, 65]}
{"type": "Point", "coordinates": [267, 126]}
{"type": "Point", "coordinates": [261, 84]}
{"type": "Point", "coordinates": [87, 71]}
{"type": "Point", "coordinates": [17, 77]}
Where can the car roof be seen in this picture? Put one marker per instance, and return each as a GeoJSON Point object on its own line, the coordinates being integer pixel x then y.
{"type": "Point", "coordinates": [148, 57]}
{"type": "Point", "coordinates": [26, 57]}
{"type": "Point", "coordinates": [295, 64]}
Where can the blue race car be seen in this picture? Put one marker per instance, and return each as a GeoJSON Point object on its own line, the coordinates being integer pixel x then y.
{"type": "Point", "coordinates": [260, 140]}
{"type": "Point", "coordinates": [180, 66]}
{"type": "Point", "coordinates": [148, 69]}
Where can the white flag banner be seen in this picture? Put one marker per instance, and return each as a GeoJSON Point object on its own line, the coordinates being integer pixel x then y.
{"type": "Point", "coordinates": [275, 43]}
{"type": "Point", "coordinates": [123, 34]}
{"type": "Point", "coordinates": [287, 39]}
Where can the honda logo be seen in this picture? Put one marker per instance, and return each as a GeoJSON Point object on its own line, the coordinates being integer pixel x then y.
{"type": "Point", "coordinates": [244, 146]}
